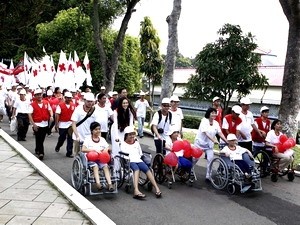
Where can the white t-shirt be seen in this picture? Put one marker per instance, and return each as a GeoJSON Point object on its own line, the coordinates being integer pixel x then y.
{"type": "Point", "coordinates": [201, 139]}
{"type": "Point", "coordinates": [84, 128]}
{"type": "Point", "coordinates": [246, 126]}
{"type": "Point", "coordinates": [177, 117]}
{"type": "Point", "coordinates": [134, 150]}
{"type": "Point", "coordinates": [162, 124]}
{"type": "Point", "coordinates": [141, 108]}
{"type": "Point", "coordinates": [97, 146]}
{"type": "Point", "coordinates": [102, 115]}
{"type": "Point", "coordinates": [3, 96]}
{"type": "Point", "coordinates": [236, 154]}
{"type": "Point", "coordinates": [272, 138]}
{"type": "Point", "coordinates": [62, 124]}
{"type": "Point", "coordinates": [13, 95]}
{"type": "Point", "coordinates": [21, 106]}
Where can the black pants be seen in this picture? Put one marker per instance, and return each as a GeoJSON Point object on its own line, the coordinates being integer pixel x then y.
{"type": "Point", "coordinates": [40, 135]}
{"type": "Point", "coordinates": [51, 125]}
{"type": "Point", "coordinates": [8, 111]}
{"type": "Point", "coordinates": [160, 146]}
{"type": "Point", "coordinates": [63, 135]}
{"type": "Point", "coordinates": [23, 124]}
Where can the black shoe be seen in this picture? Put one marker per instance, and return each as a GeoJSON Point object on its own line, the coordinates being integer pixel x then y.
{"type": "Point", "coordinates": [57, 150]}
{"type": "Point", "coordinates": [207, 181]}
{"type": "Point", "coordinates": [69, 156]}
{"type": "Point", "coordinates": [41, 156]}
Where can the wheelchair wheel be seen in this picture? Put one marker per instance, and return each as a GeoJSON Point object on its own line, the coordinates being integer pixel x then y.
{"type": "Point", "coordinates": [119, 165]}
{"type": "Point", "coordinates": [143, 179]}
{"type": "Point", "coordinates": [274, 177]}
{"type": "Point", "coordinates": [159, 168]}
{"type": "Point", "coordinates": [149, 186]}
{"type": "Point", "coordinates": [77, 174]}
{"type": "Point", "coordinates": [231, 188]}
{"type": "Point", "coordinates": [218, 173]}
{"type": "Point", "coordinates": [263, 162]}
{"type": "Point", "coordinates": [128, 188]}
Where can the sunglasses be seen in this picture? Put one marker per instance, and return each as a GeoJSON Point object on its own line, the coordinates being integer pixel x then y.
{"type": "Point", "coordinates": [165, 105]}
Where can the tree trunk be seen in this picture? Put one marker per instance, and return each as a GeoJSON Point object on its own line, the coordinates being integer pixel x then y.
{"type": "Point", "coordinates": [289, 106]}
{"type": "Point", "coordinates": [110, 66]}
{"type": "Point", "coordinates": [172, 49]}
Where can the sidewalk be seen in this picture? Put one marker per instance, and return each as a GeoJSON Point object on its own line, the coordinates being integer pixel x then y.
{"type": "Point", "coordinates": [31, 193]}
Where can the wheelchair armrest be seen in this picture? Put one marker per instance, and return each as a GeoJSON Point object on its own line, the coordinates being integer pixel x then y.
{"type": "Point", "coordinates": [123, 153]}
{"type": "Point", "coordinates": [145, 152]}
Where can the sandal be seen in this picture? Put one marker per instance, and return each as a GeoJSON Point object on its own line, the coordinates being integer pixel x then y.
{"type": "Point", "coordinates": [158, 194]}
{"type": "Point", "coordinates": [139, 196]}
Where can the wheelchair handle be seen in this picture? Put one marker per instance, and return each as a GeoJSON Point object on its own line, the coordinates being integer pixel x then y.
{"type": "Point", "coordinates": [145, 152]}
{"type": "Point", "coordinates": [123, 153]}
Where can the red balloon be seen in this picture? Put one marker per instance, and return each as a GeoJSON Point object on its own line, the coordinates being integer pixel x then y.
{"type": "Point", "coordinates": [187, 153]}
{"type": "Point", "coordinates": [280, 147]}
{"type": "Point", "coordinates": [177, 146]}
{"type": "Point", "coordinates": [197, 152]}
{"type": "Point", "coordinates": [104, 157]}
{"type": "Point", "coordinates": [283, 138]}
{"type": "Point", "coordinates": [171, 159]}
{"type": "Point", "coordinates": [92, 156]}
{"type": "Point", "coordinates": [286, 145]}
{"type": "Point", "coordinates": [293, 141]}
{"type": "Point", "coordinates": [186, 145]}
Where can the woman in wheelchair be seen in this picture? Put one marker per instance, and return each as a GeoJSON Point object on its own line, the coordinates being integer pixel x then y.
{"type": "Point", "coordinates": [272, 139]}
{"type": "Point", "coordinates": [241, 156]}
{"type": "Point", "coordinates": [97, 143]}
{"type": "Point", "coordinates": [183, 163]}
{"type": "Point", "coordinates": [133, 148]}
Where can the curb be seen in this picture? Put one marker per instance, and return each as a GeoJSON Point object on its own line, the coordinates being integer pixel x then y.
{"type": "Point", "coordinates": [149, 133]}
{"type": "Point", "coordinates": [90, 211]}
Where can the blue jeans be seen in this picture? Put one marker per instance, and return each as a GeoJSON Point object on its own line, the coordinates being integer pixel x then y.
{"type": "Point", "coordinates": [141, 121]}
{"type": "Point", "coordinates": [139, 166]}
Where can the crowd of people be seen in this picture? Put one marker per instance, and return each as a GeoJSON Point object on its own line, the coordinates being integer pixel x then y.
{"type": "Point", "coordinates": [82, 118]}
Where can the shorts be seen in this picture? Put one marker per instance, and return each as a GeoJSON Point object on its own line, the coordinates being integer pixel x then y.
{"type": "Point", "coordinates": [139, 166]}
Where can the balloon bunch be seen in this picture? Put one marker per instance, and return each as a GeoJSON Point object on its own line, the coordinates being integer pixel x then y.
{"type": "Point", "coordinates": [102, 157]}
{"type": "Point", "coordinates": [285, 143]}
{"type": "Point", "coordinates": [188, 151]}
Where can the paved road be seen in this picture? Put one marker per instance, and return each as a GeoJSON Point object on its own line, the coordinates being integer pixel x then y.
{"type": "Point", "coordinates": [278, 203]}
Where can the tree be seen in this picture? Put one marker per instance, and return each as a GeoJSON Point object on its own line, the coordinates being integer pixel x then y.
{"type": "Point", "coordinates": [151, 60]}
{"type": "Point", "coordinates": [109, 65]}
{"type": "Point", "coordinates": [172, 49]}
{"type": "Point", "coordinates": [289, 106]}
{"type": "Point", "coordinates": [227, 65]}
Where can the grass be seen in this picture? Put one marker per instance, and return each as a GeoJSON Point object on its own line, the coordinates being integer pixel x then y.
{"type": "Point", "coordinates": [190, 136]}
{"type": "Point", "coordinates": [297, 155]}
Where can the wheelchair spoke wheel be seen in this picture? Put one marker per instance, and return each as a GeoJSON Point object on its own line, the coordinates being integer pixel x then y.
{"type": "Point", "coordinates": [143, 179]}
{"type": "Point", "coordinates": [263, 163]}
{"type": "Point", "coordinates": [218, 173]}
{"type": "Point", "coordinates": [159, 168]}
{"type": "Point", "coordinates": [119, 165]}
{"type": "Point", "coordinates": [77, 174]}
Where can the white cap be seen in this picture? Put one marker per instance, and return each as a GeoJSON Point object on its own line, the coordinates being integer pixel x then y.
{"type": "Point", "coordinates": [114, 93]}
{"type": "Point", "coordinates": [68, 94]}
{"type": "Point", "coordinates": [38, 91]}
{"type": "Point", "coordinates": [165, 101]}
{"type": "Point", "coordinates": [27, 86]}
{"type": "Point", "coordinates": [237, 109]}
{"type": "Point", "coordinates": [14, 84]}
{"type": "Point", "coordinates": [142, 93]}
{"type": "Point", "coordinates": [109, 93]}
{"type": "Point", "coordinates": [174, 98]}
{"type": "Point", "coordinates": [231, 137]}
{"type": "Point", "coordinates": [19, 87]}
{"type": "Point", "coordinates": [22, 92]}
{"type": "Point", "coordinates": [49, 92]}
{"type": "Point", "coordinates": [245, 101]}
{"type": "Point", "coordinates": [216, 98]}
{"type": "Point", "coordinates": [264, 108]}
{"type": "Point", "coordinates": [102, 88]}
{"type": "Point", "coordinates": [129, 129]}
{"type": "Point", "coordinates": [89, 96]}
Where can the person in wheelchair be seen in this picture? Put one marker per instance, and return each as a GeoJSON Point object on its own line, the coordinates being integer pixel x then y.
{"type": "Point", "coordinates": [133, 148]}
{"type": "Point", "coordinates": [183, 162]}
{"type": "Point", "coordinates": [97, 143]}
{"type": "Point", "coordinates": [272, 139]}
{"type": "Point", "coordinates": [241, 156]}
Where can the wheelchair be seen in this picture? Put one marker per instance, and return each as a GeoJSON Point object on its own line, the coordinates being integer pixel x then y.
{"type": "Point", "coordinates": [268, 164]}
{"type": "Point", "coordinates": [82, 177]}
{"type": "Point", "coordinates": [125, 174]}
{"type": "Point", "coordinates": [232, 177]}
{"type": "Point", "coordinates": [163, 172]}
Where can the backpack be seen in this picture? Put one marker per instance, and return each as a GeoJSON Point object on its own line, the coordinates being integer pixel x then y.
{"type": "Point", "coordinates": [160, 117]}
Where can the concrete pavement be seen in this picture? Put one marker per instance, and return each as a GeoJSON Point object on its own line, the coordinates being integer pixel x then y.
{"type": "Point", "coordinates": [31, 193]}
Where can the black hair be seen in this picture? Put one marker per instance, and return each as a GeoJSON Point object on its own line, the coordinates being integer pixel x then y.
{"type": "Point", "coordinates": [124, 115]}
{"type": "Point", "coordinates": [120, 90]}
{"type": "Point", "coordinates": [274, 123]}
{"type": "Point", "coordinates": [209, 111]}
{"type": "Point", "coordinates": [94, 125]}
{"type": "Point", "coordinates": [100, 96]}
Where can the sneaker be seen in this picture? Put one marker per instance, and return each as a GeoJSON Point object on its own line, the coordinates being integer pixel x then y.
{"type": "Point", "coordinates": [57, 150]}
{"type": "Point", "coordinates": [41, 156]}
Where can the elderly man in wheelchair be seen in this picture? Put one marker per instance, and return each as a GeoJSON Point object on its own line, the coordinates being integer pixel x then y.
{"type": "Point", "coordinates": [93, 165]}
{"type": "Point", "coordinates": [235, 168]}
